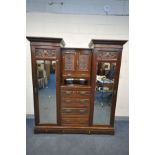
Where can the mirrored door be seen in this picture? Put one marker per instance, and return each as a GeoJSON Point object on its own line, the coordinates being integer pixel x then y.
{"type": "Point", "coordinates": [46, 81]}
{"type": "Point", "coordinates": [105, 79]}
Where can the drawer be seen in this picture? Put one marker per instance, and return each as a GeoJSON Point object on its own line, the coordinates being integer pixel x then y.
{"type": "Point", "coordinates": [75, 102]}
{"type": "Point", "coordinates": [75, 121]}
{"type": "Point", "coordinates": [83, 93]}
{"type": "Point", "coordinates": [75, 112]}
{"type": "Point", "coordinates": [75, 93]}
{"type": "Point", "coordinates": [68, 93]}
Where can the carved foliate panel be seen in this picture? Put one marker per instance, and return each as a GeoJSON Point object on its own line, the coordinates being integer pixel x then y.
{"type": "Point", "coordinates": [45, 53]}
{"type": "Point", "coordinates": [83, 64]}
{"type": "Point", "coordinates": [69, 62]}
{"type": "Point", "coordinates": [107, 55]}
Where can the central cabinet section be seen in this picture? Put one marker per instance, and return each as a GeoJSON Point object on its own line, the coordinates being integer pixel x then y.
{"type": "Point", "coordinates": [75, 86]}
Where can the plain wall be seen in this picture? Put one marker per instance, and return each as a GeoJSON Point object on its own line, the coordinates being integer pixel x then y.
{"type": "Point", "coordinates": [77, 31]}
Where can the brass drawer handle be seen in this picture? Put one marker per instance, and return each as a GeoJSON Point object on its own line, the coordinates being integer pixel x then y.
{"type": "Point", "coordinates": [67, 110]}
{"type": "Point", "coordinates": [83, 111]}
{"type": "Point", "coordinates": [68, 101]}
{"type": "Point", "coordinates": [83, 74]}
{"type": "Point", "coordinates": [68, 92]}
{"type": "Point", "coordinates": [83, 101]}
{"type": "Point", "coordinates": [83, 93]}
{"type": "Point", "coordinates": [69, 74]}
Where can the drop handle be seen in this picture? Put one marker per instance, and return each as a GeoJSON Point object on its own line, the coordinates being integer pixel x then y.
{"type": "Point", "coordinates": [82, 110]}
{"type": "Point", "coordinates": [83, 93]}
{"type": "Point", "coordinates": [69, 74]}
{"type": "Point", "coordinates": [68, 101]}
{"type": "Point", "coordinates": [83, 101]}
{"type": "Point", "coordinates": [68, 92]}
{"type": "Point", "coordinates": [83, 74]}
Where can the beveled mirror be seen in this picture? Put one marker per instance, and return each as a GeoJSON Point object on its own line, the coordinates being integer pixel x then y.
{"type": "Point", "coordinates": [105, 79]}
{"type": "Point", "coordinates": [46, 81]}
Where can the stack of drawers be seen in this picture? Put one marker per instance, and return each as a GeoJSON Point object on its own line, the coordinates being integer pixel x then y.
{"type": "Point", "coordinates": [75, 106]}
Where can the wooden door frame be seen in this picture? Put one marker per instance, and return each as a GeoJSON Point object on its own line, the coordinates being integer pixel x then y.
{"type": "Point", "coordinates": [115, 88]}
{"type": "Point", "coordinates": [35, 85]}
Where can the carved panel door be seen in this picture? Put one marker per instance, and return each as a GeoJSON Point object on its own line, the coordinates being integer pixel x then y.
{"type": "Point", "coordinates": [69, 61]}
{"type": "Point", "coordinates": [83, 62]}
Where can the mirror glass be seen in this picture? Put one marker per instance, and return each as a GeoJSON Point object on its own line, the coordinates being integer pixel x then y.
{"type": "Point", "coordinates": [46, 80]}
{"type": "Point", "coordinates": [104, 92]}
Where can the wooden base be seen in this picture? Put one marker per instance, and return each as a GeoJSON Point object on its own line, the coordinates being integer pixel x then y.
{"type": "Point", "coordinates": [70, 130]}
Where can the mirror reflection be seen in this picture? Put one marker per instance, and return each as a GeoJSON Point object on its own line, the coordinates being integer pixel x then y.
{"type": "Point", "coordinates": [46, 90]}
{"type": "Point", "coordinates": [104, 92]}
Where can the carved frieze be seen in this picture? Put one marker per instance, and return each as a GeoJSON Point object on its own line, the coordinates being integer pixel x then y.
{"type": "Point", "coordinates": [45, 53]}
{"type": "Point", "coordinates": [107, 55]}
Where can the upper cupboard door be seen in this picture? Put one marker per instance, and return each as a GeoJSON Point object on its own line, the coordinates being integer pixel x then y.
{"type": "Point", "coordinates": [84, 61]}
{"type": "Point", "coordinates": [69, 61]}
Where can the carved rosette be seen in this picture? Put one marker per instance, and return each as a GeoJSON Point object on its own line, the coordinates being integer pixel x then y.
{"type": "Point", "coordinates": [83, 62]}
{"type": "Point", "coordinates": [107, 55]}
{"type": "Point", "coordinates": [45, 53]}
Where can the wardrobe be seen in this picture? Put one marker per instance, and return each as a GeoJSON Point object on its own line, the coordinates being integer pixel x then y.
{"type": "Point", "coordinates": [75, 89]}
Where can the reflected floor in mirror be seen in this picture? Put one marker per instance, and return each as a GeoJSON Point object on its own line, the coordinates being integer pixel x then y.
{"type": "Point", "coordinates": [47, 98]}
{"type": "Point", "coordinates": [102, 108]}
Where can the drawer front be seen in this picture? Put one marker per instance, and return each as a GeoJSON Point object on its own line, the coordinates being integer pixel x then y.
{"type": "Point", "coordinates": [75, 121]}
{"type": "Point", "coordinates": [83, 93]}
{"type": "Point", "coordinates": [77, 93]}
{"type": "Point", "coordinates": [75, 112]}
{"type": "Point", "coordinates": [68, 93]}
{"type": "Point", "coordinates": [75, 102]}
